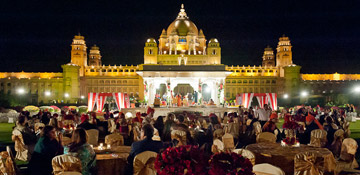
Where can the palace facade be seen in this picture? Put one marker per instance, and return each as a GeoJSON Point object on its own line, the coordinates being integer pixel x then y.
{"type": "Point", "coordinates": [181, 61]}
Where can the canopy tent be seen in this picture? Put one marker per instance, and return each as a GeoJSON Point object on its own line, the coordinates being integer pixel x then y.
{"type": "Point", "coordinates": [245, 99]}
{"type": "Point", "coordinates": [122, 100]}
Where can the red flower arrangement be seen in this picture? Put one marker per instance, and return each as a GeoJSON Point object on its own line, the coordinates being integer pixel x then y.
{"type": "Point", "coordinates": [230, 164]}
{"type": "Point", "coordinates": [291, 125]}
{"type": "Point", "coordinates": [290, 141]}
{"type": "Point", "coordinates": [182, 160]}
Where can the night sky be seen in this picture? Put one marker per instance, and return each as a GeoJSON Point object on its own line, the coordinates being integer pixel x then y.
{"type": "Point", "coordinates": [35, 35]}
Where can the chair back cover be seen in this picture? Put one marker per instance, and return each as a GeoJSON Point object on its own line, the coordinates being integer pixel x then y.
{"type": "Point", "coordinates": [38, 125]}
{"type": "Point", "coordinates": [218, 133]}
{"type": "Point", "coordinates": [70, 173]}
{"type": "Point", "coordinates": [156, 138]}
{"type": "Point", "coordinates": [66, 141]}
{"type": "Point", "coordinates": [115, 139]}
{"type": "Point", "coordinates": [267, 137]}
{"type": "Point", "coordinates": [318, 138]}
{"type": "Point", "coordinates": [233, 129]}
{"type": "Point", "coordinates": [65, 163]}
{"type": "Point", "coordinates": [228, 141]}
{"type": "Point", "coordinates": [346, 126]}
{"type": "Point", "coordinates": [111, 125]}
{"type": "Point", "coordinates": [180, 136]}
{"type": "Point", "coordinates": [347, 155]}
{"type": "Point", "coordinates": [348, 147]}
{"type": "Point", "coordinates": [226, 119]}
{"type": "Point", "coordinates": [267, 169]}
{"type": "Point", "coordinates": [257, 128]}
{"type": "Point", "coordinates": [144, 163]}
{"type": "Point", "coordinates": [246, 153]}
{"type": "Point", "coordinates": [93, 136]}
{"type": "Point", "coordinates": [22, 151]}
{"type": "Point", "coordinates": [6, 164]}
{"type": "Point", "coordinates": [339, 134]}
{"type": "Point", "coordinates": [218, 146]}
{"type": "Point", "coordinates": [307, 163]}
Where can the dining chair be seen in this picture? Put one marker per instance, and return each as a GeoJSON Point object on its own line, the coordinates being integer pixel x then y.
{"type": "Point", "coordinates": [65, 163]}
{"type": "Point", "coordinates": [246, 153]}
{"type": "Point", "coordinates": [144, 163]}
{"type": "Point", "coordinates": [267, 169]}
{"type": "Point", "coordinates": [267, 137]}
{"type": "Point", "coordinates": [318, 138]}
{"type": "Point", "coordinates": [93, 136]}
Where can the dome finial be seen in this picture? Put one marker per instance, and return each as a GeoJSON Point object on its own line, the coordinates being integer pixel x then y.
{"type": "Point", "coordinates": [182, 13]}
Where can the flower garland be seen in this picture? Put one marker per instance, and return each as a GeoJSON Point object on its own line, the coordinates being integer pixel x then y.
{"type": "Point", "coordinates": [230, 164]}
{"type": "Point", "coordinates": [184, 160]}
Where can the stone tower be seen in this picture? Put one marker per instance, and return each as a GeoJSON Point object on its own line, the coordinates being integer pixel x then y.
{"type": "Point", "coordinates": [268, 57]}
{"type": "Point", "coordinates": [94, 56]}
{"type": "Point", "coordinates": [150, 51]}
{"type": "Point", "coordinates": [284, 54]}
{"type": "Point", "coordinates": [71, 83]}
{"type": "Point", "coordinates": [78, 53]}
{"type": "Point", "coordinates": [214, 51]}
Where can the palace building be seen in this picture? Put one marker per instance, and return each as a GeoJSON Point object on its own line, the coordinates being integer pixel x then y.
{"type": "Point", "coordinates": [181, 61]}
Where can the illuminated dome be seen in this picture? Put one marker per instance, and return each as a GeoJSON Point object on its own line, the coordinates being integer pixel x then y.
{"type": "Point", "coordinates": [182, 26]}
{"type": "Point", "coordinates": [213, 40]}
{"type": "Point", "coordinates": [151, 40]}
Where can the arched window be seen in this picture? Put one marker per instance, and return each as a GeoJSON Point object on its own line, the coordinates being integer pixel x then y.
{"type": "Point", "coordinates": [214, 52]}
{"type": "Point", "coordinates": [150, 51]}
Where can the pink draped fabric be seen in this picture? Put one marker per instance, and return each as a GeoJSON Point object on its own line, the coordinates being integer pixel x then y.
{"type": "Point", "coordinates": [122, 100]}
{"type": "Point", "coordinates": [92, 98]}
{"type": "Point", "coordinates": [273, 100]}
{"type": "Point", "coordinates": [100, 102]}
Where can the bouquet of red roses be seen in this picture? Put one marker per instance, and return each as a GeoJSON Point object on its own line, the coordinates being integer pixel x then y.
{"type": "Point", "coordinates": [230, 164]}
{"type": "Point", "coordinates": [290, 141]}
{"type": "Point", "coordinates": [184, 160]}
{"type": "Point", "coordinates": [291, 125]}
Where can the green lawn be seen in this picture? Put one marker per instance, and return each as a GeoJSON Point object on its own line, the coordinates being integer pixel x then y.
{"type": "Point", "coordinates": [5, 133]}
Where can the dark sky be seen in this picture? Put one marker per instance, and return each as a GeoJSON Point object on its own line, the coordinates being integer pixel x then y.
{"type": "Point", "coordinates": [36, 35]}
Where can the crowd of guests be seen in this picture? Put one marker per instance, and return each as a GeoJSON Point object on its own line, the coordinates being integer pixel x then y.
{"type": "Point", "coordinates": [146, 132]}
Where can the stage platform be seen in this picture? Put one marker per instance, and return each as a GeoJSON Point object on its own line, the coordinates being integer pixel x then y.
{"type": "Point", "coordinates": [163, 111]}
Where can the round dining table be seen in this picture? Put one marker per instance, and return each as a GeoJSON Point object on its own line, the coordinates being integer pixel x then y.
{"type": "Point", "coordinates": [112, 161]}
{"type": "Point", "coordinates": [283, 156]}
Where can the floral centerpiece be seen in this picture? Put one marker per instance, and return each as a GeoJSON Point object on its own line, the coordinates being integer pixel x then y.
{"type": "Point", "coordinates": [230, 164]}
{"type": "Point", "coordinates": [184, 160]}
{"type": "Point", "coordinates": [291, 127]}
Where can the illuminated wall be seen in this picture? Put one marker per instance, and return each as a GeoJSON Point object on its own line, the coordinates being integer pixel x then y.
{"type": "Point", "coordinates": [332, 77]}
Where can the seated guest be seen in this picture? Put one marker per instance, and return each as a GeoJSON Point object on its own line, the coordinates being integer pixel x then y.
{"type": "Point", "coordinates": [81, 149]}
{"type": "Point", "coordinates": [58, 130]}
{"type": "Point", "coordinates": [123, 126]}
{"type": "Point", "coordinates": [166, 136]}
{"type": "Point", "coordinates": [45, 118]}
{"type": "Point", "coordinates": [85, 124]}
{"type": "Point", "coordinates": [330, 127]}
{"type": "Point", "coordinates": [270, 126]}
{"type": "Point", "coordinates": [159, 125]}
{"type": "Point", "coordinates": [45, 150]}
{"type": "Point", "coordinates": [146, 144]}
{"type": "Point", "coordinates": [24, 138]}
{"type": "Point", "coordinates": [183, 127]}
{"type": "Point", "coordinates": [311, 124]}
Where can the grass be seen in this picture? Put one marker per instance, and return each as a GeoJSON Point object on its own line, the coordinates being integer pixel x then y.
{"type": "Point", "coordinates": [5, 133]}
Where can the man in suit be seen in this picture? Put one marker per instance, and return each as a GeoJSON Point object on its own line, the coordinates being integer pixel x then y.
{"type": "Point", "coordinates": [146, 144]}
